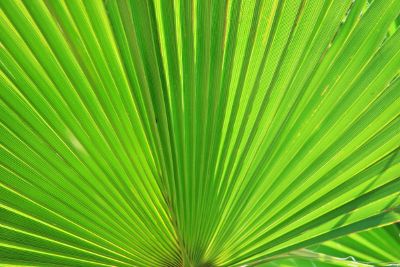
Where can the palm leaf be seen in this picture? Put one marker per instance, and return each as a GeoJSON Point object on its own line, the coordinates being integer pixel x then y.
{"type": "Point", "coordinates": [375, 247]}
{"type": "Point", "coordinates": [194, 133]}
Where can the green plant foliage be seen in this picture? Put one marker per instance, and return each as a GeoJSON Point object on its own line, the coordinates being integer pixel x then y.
{"type": "Point", "coordinates": [376, 247]}
{"type": "Point", "coordinates": [195, 132]}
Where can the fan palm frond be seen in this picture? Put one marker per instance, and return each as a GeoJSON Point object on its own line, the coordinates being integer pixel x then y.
{"type": "Point", "coordinates": [194, 133]}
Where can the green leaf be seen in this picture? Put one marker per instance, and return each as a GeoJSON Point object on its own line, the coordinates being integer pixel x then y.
{"type": "Point", "coordinates": [375, 247]}
{"type": "Point", "coordinates": [197, 133]}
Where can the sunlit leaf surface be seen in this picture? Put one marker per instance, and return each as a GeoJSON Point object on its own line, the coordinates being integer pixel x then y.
{"type": "Point", "coordinates": [194, 132]}
{"type": "Point", "coordinates": [375, 247]}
